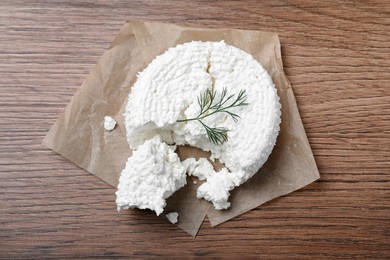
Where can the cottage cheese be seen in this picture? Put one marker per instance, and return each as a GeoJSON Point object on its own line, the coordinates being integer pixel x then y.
{"type": "Point", "coordinates": [109, 123]}
{"type": "Point", "coordinates": [201, 168]}
{"type": "Point", "coordinates": [172, 217]}
{"type": "Point", "coordinates": [152, 174]}
{"type": "Point", "coordinates": [217, 188]}
{"type": "Point", "coordinates": [167, 90]}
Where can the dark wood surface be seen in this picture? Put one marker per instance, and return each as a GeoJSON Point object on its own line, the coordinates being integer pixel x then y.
{"type": "Point", "coordinates": [337, 57]}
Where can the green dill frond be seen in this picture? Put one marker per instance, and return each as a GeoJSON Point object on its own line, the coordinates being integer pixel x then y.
{"type": "Point", "coordinates": [208, 107]}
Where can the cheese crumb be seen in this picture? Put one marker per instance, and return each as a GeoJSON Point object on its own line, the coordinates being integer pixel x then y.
{"type": "Point", "coordinates": [172, 217]}
{"type": "Point", "coordinates": [109, 123]}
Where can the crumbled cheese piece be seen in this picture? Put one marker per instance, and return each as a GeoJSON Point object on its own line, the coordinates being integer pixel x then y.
{"type": "Point", "coordinates": [172, 217]}
{"type": "Point", "coordinates": [167, 90]}
{"type": "Point", "coordinates": [109, 123]}
{"type": "Point", "coordinates": [216, 189]}
{"type": "Point", "coordinates": [195, 182]}
{"type": "Point", "coordinates": [152, 174]}
{"type": "Point", "coordinates": [201, 168]}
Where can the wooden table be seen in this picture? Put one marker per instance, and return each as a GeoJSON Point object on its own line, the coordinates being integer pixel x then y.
{"type": "Point", "coordinates": [337, 58]}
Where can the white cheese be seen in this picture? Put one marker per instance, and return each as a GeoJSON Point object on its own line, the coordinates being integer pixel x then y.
{"type": "Point", "coordinates": [167, 90]}
{"type": "Point", "coordinates": [201, 168]}
{"type": "Point", "coordinates": [216, 189]}
{"type": "Point", "coordinates": [172, 217]}
{"type": "Point", "coordinates": [109, 123]}
{"type": "Point", "coordinates": [152, 174]}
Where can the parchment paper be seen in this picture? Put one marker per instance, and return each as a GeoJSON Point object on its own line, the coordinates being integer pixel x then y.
{"type": "Point", "coordinates": [78, 133]}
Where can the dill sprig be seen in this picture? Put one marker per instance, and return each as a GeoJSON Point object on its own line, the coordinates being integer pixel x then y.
{"type": "Point", "coordinates": [209, 106]}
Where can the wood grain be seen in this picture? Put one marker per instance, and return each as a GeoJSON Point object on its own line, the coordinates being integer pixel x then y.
{"type": "Point", "coordinates": [337, 57]}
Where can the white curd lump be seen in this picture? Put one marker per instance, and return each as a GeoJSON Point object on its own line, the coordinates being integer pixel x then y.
{"type": "Point", "coordinates": [201, 168]}
{"type": "Point", "coordinates": [152, 174]}
{"type": "Point", "coordinates": [167, 90]}
{"type": "Point", "coordinates": [109, 123]}
{"type": "Point", "coordinates": [172, 217]}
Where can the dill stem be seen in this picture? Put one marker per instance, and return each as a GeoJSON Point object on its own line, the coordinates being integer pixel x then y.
{"type": "Point", "coordinates": [216, 135]}
{"type": "Point", "coordinates": [186, 120]}
{"type": "Point", "coordinates": [202, 117]}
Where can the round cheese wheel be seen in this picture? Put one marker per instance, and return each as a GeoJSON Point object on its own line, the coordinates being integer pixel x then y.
{"type": "Point", "coordinates": [167, 90]}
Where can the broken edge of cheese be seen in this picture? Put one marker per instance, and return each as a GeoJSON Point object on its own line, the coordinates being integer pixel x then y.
{"type": "Point", "coordinates": [152, 174]}
{"type": "Point", "coordinates": [217, 187]}
{"type": "Point", "coordinates": [201, 168]}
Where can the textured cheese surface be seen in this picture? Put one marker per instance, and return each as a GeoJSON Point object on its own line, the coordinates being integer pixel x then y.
{"type": "Point", "coordinates": [167, 90]}
{"type": "Point", "coordinates": [152, 174]}
{"type": "Point", "coordinates": [201, 168]}
{"type": "Point", "coordinates": [216, 189]}
{"type": "Point", "coordinates": [109, 123]}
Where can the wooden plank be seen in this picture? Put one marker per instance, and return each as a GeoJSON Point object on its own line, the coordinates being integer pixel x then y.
{"type": "Point", "coordinates": [337, 57]}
